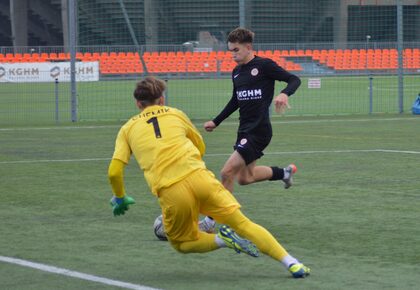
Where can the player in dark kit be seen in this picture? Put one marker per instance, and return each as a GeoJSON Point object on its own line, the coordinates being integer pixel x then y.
{"type": "Point", "coordinates": [253, 90]}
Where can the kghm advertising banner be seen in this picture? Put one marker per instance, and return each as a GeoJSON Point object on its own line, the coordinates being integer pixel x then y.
{"type": "Point", "coordinates": [47, 72]}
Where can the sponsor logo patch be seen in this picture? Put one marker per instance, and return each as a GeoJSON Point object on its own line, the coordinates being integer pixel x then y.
{"type": "Point", "coordinates": [55, 72]}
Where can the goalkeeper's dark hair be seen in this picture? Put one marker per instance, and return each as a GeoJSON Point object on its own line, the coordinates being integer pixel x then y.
{"type": "Point", "coordinates": [148, 90]}
{"type": "Point", "coordinates": [241, 35]}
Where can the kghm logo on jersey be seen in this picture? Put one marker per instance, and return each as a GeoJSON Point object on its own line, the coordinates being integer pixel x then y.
{"type": "Point", "coordinates": [249, 94]}
{"type": "Point", "coordinates": [254, 72]}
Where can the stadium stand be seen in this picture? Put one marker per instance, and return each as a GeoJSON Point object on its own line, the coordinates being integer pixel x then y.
{"type": "Point", "coordinates": [220, 61]}
{"type": "Point", "coordinates": [113, 29]}
{"type": "Point", "coordinates": [44, 23]}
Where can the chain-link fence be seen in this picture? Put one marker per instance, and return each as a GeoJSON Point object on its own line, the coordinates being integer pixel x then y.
{"type": "Point", "coordinates": [354, 57]}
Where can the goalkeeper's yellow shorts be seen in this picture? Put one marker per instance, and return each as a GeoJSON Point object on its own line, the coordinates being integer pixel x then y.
{"type": "Point", "coordinates": [182, 202]}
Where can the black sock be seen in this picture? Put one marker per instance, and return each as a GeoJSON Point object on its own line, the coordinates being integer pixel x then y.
{"type": "Point", "coordinates": [278, 173]}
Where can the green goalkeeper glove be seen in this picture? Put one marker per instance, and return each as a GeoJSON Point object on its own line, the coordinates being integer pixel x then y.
{"type": "Point", "coordinates": [120, 204]}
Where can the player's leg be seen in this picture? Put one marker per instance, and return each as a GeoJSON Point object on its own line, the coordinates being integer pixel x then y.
{"type": "Point", "coordinates": [230, 170]}
{"type": "Point", "coordinates": [236, 167]}
{"type": "Point", "coordinates": [264, 241]}
{"type": "Point", "coordinates": [204, 243]}
{"type": "Point", "coordinates": [250, 148]}
{"type": "Point", "coordinates": [223, 206]}
{"type": "Point", "coordinates": [242, 163]}
{"type": "Point", "coordinates": [180, 219]}
{"type": "Point", "coordinates": [180, 205]}
{"type": "Point", "coordinates": [245, 173]}
{"type": "Point", "coordinates": [209, 191]}
{"type": "Point", "coordinates": [258, 234]}
{"type": "Point", "coordinates": [210, 242]}
{"type": "Point", "coordinates": [252, 173]}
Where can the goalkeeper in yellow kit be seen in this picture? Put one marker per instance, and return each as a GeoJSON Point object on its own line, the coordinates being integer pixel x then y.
{"type": "Point", "coordinates": [169, 150]}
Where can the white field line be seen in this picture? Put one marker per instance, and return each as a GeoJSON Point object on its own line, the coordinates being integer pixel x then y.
{"type": "Point", "coordinates": [225, 154]}
{"type": "Point", "coordinates": [327, 151]}
{"type": "Point", "coordinates": [55, 160]}
{"type": "Point", "coordinates": [58, 128]}
{"type": "Point", "coordinates": [340, 121]}
{"type": "Point", "coordinates": [228, 123]}
{"type": "Point", "coordinates": [74, 274]}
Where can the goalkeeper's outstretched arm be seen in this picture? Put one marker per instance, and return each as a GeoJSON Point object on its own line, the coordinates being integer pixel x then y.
{"type": "Point", "coordinates": [116, 177]}
{"type": "Point", "coordinates": [119, 202]}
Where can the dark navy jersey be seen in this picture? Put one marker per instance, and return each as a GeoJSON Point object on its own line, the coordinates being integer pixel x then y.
{"type": "Point", "coordinates": [253, 91]}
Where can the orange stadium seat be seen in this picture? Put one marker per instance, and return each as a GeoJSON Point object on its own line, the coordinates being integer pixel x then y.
{"type": "Point", "coordinates": [300, 52]}
{"type": "Point", "coordinates": [44, 56]}
{"type": "Point", "coordinates": [96, 56]}
{"type": "Point", "coordinates": [210, 62]}
{"type": "Point", "coordinates": [121, 55]}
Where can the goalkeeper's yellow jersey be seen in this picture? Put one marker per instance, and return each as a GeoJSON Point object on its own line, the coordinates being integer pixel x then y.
{"type": "Point", "coordinates": [165, 143]}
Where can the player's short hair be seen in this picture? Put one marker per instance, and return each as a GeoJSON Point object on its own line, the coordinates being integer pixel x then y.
{"type": "Point", "coordinates": [148, 90]}
{"type": "Point", "coordinates": [241, 35]}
